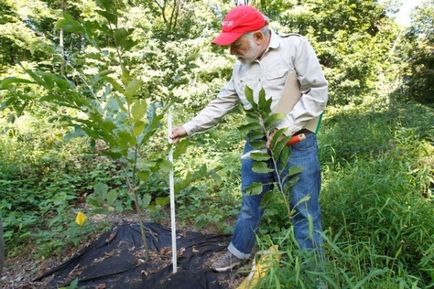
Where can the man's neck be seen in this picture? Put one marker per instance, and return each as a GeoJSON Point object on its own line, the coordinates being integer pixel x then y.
{"type": "Point", "coordinates": [265, 47]}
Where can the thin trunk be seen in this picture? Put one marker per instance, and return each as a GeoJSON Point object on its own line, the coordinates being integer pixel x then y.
{"type": "Point", "coordinates": [61, 44]}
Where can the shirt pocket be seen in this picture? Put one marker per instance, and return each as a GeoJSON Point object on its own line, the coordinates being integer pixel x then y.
{"type": "Point", "coordinates": [275, 79]}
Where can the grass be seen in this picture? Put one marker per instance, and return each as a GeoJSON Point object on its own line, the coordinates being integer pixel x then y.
{"type": "Point", "coordinates": [377, 202]}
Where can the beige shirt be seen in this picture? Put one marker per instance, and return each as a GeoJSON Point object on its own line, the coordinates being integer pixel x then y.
{"type": "Point", "coordinates": [284, 54]}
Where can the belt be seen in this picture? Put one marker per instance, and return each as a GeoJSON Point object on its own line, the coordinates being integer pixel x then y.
{"type": "Point", "coordinates": [303, 130]}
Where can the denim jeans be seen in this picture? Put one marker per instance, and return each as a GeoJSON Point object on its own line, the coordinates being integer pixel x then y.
{"type": "Point", "coordinates": [304, 200]}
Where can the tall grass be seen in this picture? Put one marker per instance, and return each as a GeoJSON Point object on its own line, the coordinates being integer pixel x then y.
{"type": "Point", "coordinates": [377, 204]}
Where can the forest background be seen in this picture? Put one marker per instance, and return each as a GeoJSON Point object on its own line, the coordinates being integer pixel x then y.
{"type": "Point", "coordinates": [86, 87]}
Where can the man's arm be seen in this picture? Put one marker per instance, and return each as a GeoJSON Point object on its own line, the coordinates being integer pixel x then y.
{"type": "Point", "coordinates": [313, 86]}
{"type": "Point", "coordinates": [225, 101]}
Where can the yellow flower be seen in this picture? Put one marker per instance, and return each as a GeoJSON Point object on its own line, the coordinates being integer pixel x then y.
{"type": "Point", "coordinates": [80, 219]}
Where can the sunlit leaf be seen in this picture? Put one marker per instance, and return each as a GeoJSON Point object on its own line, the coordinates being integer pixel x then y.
{"type": "Point", "coordinates": [138, 109]}
{"type": "Point", "coordinates": [139, 126]}
{"type": "Point", "coordinates": [162, 201]}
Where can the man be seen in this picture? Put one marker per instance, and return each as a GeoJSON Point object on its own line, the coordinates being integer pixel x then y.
{"type": "Point", "coordinates": [264, 60]}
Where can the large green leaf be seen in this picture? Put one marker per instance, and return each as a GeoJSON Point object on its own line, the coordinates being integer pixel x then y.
{"type": "Point", "coordinates": [138, 109]}
{"type": "Point", "coordinates": [273, 120]}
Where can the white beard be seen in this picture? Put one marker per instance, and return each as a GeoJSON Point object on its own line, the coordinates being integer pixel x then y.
{"type": "Point", "coordinates": [251, 55]}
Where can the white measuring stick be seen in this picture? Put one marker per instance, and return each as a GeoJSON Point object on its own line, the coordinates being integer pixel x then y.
{"type": "Point", "coordinates": [172, 195]}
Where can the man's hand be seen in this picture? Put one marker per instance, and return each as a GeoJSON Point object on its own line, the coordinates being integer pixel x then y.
{"type": "Point", "coordinates": [177, 133]}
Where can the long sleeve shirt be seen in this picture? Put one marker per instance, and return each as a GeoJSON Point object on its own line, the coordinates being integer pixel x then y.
{"type": "Point", "coordinates": [283, 54]}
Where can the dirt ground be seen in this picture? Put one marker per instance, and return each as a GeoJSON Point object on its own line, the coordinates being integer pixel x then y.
{"type": "Point", "coordinates": [20, 271]}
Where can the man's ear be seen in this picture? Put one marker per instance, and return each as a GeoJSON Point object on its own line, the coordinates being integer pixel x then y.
{"type": "Point", "coordinates": [258, 36]}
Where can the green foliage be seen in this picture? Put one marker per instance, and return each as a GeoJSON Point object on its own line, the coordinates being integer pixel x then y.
{"type": "Point", "coordinates": [417, 47]}
{"type": "Point", "coordinates": [261, 128]}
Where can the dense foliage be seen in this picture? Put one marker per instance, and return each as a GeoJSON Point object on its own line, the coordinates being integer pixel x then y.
{"type": "Point", "coordinates": [85, 87]}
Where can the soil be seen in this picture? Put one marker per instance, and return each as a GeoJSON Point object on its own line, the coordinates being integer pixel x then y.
{"type": "Point", "coordinates": [21, 270]}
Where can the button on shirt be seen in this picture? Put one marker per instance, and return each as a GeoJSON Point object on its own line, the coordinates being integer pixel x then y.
{"type": "Point", "coordinates": [283, 54]}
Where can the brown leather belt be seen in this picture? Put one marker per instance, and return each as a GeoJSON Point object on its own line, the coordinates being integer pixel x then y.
{"type": "Point", "coordinates": [304, 130]}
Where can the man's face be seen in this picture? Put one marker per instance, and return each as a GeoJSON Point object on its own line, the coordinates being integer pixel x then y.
{"type": "Point", "coordinates": [246, 49]}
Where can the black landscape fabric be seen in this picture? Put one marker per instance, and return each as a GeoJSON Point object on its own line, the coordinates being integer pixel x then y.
{"type": "Point", "coordinates": [116, 260]}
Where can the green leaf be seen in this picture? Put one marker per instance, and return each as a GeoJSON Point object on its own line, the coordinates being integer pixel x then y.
{"type": "Point", "coordinates": [100, 189]}
{"type": "Point", "coordinates": [276, 137]}
{"type": "Point", "coordinates": [262, 101]}
{"type": "Point", "coordinates": [255, 135]}
{"type": "Point", "coordinates": [279, 146]}
{"type": "Point", "coordinates": [273, 120]}
{"type": "Point", "coordinates": [294, 170]}
{"type": "Point", "coordinates": [180, 148]}
{"type": "Point", "coordinates": [162, 201]}
{"type": "Point", "coordinates": [138, 109]}
{"type": "Point", "coordinates": [120, 34]}
{"type": "Point", "coordinates": [111, 197]}
{"type": "Point", "coordinates": [6, 82]}
{"type": "Point", "coordinates": [260, 156]}
{"type": "Point", "coordinates": [145, 200]}
{"type": "Point", "coordinates": [69, 24]}
{"type": "Point", "coordinates": [143, 175]}
{"type": "Point", "coordinates": [116, 85]}
{"type": "Point", "coordinates": [249, 96]}
{"type": "Point", "coordinates": [254, 189]}
{"type": "Point", "coordinates": [258, 144]}
{"type": "Point", "coordinates": [249, 126]}
{"type": "Point", "coordinates": [49, 80]}
{"type": "Point", "coordinates": [164, 165]}
{"type": "Point", "coordinates": [122, 38]}
{"type": "Point", "coordinates": [132, 88]}
{"type": "Point", "coordinates": [111, 17]}
{"type": "Point", "coordinates": [139, 126]}
{"type": "Point", "coordinates": [261, 168]}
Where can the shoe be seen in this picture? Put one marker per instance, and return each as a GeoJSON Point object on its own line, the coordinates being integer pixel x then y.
{"type": "Point", "coordinates": [225, 262]}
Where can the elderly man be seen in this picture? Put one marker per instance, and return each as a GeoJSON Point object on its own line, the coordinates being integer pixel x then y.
{"type": "Point", "coordinates": [264, 60]}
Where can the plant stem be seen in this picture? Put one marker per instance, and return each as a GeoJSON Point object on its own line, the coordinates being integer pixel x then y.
{"type": "Point", "coordinates": [276, 169]}
{"type": "Point", "coordinates": [133, 191]}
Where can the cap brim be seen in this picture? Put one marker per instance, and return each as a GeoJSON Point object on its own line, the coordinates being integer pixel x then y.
{"type": "Point", "coordinates": [226, 38]}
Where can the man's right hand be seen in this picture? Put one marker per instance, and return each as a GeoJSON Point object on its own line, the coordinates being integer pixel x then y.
{"type": "Point", "coordinates": [178, 133]}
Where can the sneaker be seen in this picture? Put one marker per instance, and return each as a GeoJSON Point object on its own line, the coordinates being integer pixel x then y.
{"type": "Point", "coordinates": [225, 262]}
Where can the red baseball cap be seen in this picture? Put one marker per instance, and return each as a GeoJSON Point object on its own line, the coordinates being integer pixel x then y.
{"type": "Point", "coordinates": [238, 21]}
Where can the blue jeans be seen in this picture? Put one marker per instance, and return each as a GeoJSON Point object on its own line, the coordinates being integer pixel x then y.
{"type": "Point", "coordinates": [304, 200]}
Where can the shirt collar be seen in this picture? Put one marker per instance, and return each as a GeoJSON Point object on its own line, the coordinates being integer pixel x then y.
{"type": "Point", "coordinates": [274, 41]}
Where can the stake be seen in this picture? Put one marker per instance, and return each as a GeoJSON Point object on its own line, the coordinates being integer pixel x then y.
{"type": "Point", "coordinates": [172, 195]}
